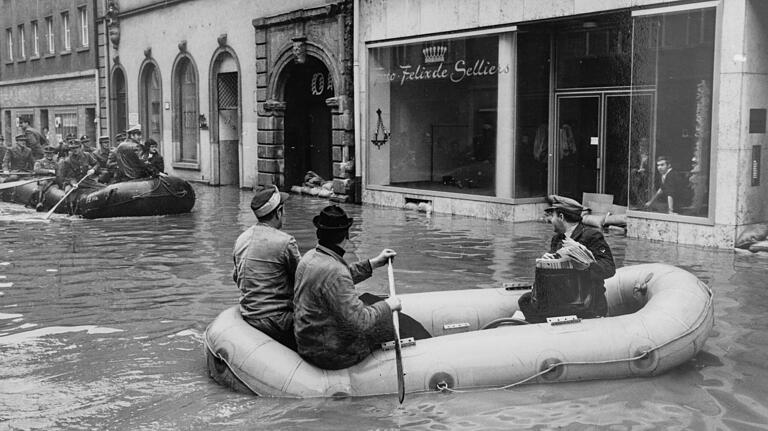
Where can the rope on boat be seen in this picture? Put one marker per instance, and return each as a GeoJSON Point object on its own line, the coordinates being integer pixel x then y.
{"type": "Point", "coordinates": [442, 386]}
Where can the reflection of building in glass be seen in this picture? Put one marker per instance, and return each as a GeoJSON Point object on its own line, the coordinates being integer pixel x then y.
{"type": "Point", "coordinates": [576, 105]}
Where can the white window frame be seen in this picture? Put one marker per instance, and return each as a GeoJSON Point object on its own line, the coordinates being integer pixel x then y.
{"type": "Point", "coordinates": [22, 43]}
{"type": "Point", "coordinates": [67, 30]}
{"type": "Point", "coordinates": [51, 39]}
{"type": "Point", "coordinates": [9, 37]}
{"type": "Point", "coordinates": [35, 39]}
{"type": "Point", "coordinates": [83, 12]}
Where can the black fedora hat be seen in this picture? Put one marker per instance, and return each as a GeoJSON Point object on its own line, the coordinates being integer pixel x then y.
{"type": "Point", "coordinates": [332, 217]}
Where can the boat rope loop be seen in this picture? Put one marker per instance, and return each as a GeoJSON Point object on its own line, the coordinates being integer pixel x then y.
{"type": "Point", "coordinates": [443, 386]}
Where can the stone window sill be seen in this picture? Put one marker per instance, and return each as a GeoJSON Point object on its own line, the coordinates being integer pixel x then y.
{"type": "Point", "coordinates": [192, 166]}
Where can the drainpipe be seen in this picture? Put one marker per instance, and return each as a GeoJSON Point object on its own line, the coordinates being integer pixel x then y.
{"type": "Point", "coordinates": [356, 97]}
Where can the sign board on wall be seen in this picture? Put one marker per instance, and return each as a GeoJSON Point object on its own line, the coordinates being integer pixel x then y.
{"type": "Point", "coordinates": [133, 118]}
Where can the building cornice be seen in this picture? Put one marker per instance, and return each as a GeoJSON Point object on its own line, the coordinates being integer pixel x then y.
{"type": "Point", "coordinates": [73, 75]}
{"type": "Point", "coordinates": [149, 8]}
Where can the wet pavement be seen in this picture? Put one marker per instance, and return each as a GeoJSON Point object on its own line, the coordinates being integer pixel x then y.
{"type": "Point", "coordinates": [101, 326]}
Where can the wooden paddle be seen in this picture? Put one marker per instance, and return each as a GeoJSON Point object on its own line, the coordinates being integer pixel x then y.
{"type": "Point", "coordinates": [49, 213]}
{"type": "Point", "coordinates": [12, 184]}
{"type": "Point", "coordinates": [398, 348]}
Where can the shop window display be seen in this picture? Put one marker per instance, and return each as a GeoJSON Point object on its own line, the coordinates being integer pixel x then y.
{"type": "Point", "coordinates": [673, 55]}
{"type": "Point", "coordinates": [438, 103]}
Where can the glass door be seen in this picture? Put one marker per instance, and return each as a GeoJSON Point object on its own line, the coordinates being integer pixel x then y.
{"type": "Point", "coordinates": [578, 145]}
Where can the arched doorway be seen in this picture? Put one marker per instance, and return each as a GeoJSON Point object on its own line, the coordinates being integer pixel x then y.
{"type": "Point", "coordinates": [119, 102]}
{"type": "Point", "coordinates": [308, 125]}
{"type": "Point", "coordinates": [225, 145]}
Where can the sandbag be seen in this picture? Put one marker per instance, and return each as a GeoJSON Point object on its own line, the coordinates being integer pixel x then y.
{"type": "Point", "coordinates": [759, 246]}
{"type": "Point", "coordinates": [615, 220]}
{"type": "Point", "coordinates": [751, 235]}
{"type": "Point", "coordinates": [595, 220]}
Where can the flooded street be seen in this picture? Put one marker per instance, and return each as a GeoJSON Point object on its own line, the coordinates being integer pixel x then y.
{"type": "Point", "coordinates": [101, 326]}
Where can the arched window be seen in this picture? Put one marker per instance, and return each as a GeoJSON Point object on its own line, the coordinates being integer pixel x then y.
{"type": "Point", "coordinates": [185, 112]}
{"type": "Point", "coordinates": [151, 103]}
{"type": "Point", "coordinates": [119, 102]}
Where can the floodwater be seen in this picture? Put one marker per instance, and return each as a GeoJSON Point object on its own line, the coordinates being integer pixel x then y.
{"type": "Point", "coordinates": [101, 324]}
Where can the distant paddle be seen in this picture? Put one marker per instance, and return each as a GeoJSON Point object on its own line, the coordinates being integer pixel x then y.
{"type": "Point", "coordinates": [12, 184]}
{"type": "Point", "coordinates": [398, 348]}
{"type": "Point", "coordinates": [49, 213]}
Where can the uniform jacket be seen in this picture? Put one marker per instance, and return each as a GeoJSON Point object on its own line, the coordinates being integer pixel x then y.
{"type": "Point", "coordinates": [18, 158]}
{"type": "Point", "coordinates": [330, 321]}
{"type": "Point", "coordinates": [593, 239]}
{"type": "Point", "coordinates": [73, 168]}
{"type": "Point", "coordinates": [265, 266]}
{"type": "Point", "coordinates": [36, 141]}
{"type": "Point", "coordinates": [44, 166]}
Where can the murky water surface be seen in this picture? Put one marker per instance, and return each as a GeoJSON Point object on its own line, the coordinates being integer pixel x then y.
{"type": "Point", "coordinates": [101, 324]}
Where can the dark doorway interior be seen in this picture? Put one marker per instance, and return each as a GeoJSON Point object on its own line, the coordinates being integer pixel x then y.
{"type": "Point", "coordinates": [228, 123]}
{"type": "Point", "coordinates": [43, 119]}
{"type": "Point", "coordinates": [307, 121]}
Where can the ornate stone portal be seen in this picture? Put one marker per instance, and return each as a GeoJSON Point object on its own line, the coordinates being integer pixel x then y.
{"type": "Point", "coordinates": [324, 33]}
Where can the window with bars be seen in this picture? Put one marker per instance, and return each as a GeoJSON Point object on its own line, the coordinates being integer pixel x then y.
{"type": "Point", "coordinates": [66, 30]}
{"type": "Point", "coordinates": [83, 26]}
{"type": "Point", "coordinates": [67, 124]}
{"type": "Point", "coordinates": [35, 40]}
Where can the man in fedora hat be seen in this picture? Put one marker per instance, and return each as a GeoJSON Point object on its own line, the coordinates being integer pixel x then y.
{"type": "Point", "coordinates": [265, 265]}
{"type": "Point", "coordinates": [335, 328]}
{"type": "Point", "coordinates": [581, 290]}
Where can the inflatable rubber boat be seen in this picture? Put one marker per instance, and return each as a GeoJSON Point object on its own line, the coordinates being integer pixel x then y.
{"type": "Point", "coordinates": [142, 197]}
{"type": "Point", "coordinates": [660, 317]}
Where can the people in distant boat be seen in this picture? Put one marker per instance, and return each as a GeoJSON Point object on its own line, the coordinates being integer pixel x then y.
{"type": "Point", "coordinates": [131, 158]}
{"type": "Point", "coordinates": [18, 157]}
{"type": "Point", "coordinates": [579, 290]}
{"type": "Point", "coordinates": [335, 328]}
{"type": "Point", "coordinates": [265, 261]}
{"type": "Point", "coordinates": [153, 155]}
{"type": "Point", "coordinates": [74, 168]}
{"type": "Point", "coordinates": [46, 166]}
{"type": "Point", "coordinates": [35, 140]}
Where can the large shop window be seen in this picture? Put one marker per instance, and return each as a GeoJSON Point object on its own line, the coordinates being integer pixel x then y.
{"type": "Point", "coordinates": [438, 109]}
{"type": "Point", "coordinates": [673, 57]}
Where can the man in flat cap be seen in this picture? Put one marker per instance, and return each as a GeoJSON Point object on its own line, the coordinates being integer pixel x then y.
{"type": "Point", "coordinates": [334, 327]}
{"type": "Point", "coordinates": [265, 265]}
{"type": "Point", "coordinates": [17, 158]}
{"type": "Point", "coordinates": [580, 291]}
{"type": "Point", "coordinates": [131, 157]}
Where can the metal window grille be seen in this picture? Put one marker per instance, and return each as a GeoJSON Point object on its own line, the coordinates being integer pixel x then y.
{"type": "Point", "coordinates": [68, 125]}
{"type": "Point", "coordinates": [226, 84]}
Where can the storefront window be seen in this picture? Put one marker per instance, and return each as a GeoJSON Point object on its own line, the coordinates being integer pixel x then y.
{"type": "Point", "coordinates": [673, 57]}
{"type": "Point", "coordinates": [438, 109]}
{"type": "Point", "coordinates": [532, 152]}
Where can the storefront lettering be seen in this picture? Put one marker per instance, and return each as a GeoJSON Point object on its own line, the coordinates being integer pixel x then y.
{"type": "Point", "coordinates": [461, 71]}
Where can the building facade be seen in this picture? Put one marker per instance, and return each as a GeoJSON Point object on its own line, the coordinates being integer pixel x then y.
{"type": "Point", "coordinates": [240, 93]}
{"type": "Point", "coordinates": [483, 108]}
{"type": "Point", "coordinates": [49, 63]}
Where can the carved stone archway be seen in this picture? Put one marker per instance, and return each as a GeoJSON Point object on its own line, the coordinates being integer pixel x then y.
{"type": "Point", "coordinates": [324, 33]}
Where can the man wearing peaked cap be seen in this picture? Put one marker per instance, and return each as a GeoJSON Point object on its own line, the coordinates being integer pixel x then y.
{"type": "Point", "coordinates": [583, 292]}
{"type": "Point", "coordinates": [265, 264]}
{"type": "Point", "coordinates": [334, 327]}
{"type": "Point", "coordinates": [17, 156]}
{"type": "Point", "coordinates": [45, 166]}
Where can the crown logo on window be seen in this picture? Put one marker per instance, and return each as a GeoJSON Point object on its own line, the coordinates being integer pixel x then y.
{"type": "Point", "coordinates": [434, 54]}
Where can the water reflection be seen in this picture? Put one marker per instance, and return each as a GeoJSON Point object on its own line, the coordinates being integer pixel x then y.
{"type": "Point", "coordinates": [101, 323]}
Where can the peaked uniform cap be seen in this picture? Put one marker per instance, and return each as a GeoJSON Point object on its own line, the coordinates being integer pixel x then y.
{"type": "Point", "coordinates": [136, 128]}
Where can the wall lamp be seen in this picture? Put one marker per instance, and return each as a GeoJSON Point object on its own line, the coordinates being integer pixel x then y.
{"type": "Point", "coordinates": [380, 128]}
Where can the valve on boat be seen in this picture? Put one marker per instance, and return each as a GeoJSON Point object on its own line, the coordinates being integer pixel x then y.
{"type": "Point", "coordinates": [641, 289]}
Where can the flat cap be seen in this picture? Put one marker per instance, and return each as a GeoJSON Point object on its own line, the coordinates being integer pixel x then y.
{"type": "Point", "coordinates": [565, 204]}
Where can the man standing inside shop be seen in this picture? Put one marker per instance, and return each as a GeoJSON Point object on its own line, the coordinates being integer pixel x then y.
{"type": "Point", "coordinates": [673, 189]}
